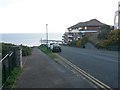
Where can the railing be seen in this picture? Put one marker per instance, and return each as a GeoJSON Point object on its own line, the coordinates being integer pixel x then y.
{"type": "Point", "coordinates": [8, 64]}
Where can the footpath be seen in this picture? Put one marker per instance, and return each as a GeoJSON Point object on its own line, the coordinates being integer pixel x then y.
{"type": "Point", "coordinates": [40, 71]}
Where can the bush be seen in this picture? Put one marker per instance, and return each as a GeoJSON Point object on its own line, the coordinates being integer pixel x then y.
{"type": "Point", "coordinates": [26, 50]}
{"type": "Point", "coordinates": [6, 47]}
{"type": "Point", "coordinates": [73, 43]}
{"type": "Point", "coordinates": [12, 78]}
{"type": "Point", "coordinates": [112, 42]}
{"type": "Point", "coordinates": [79, 43]}
{"type": "Point", "coordinates": [84, 40]}
{"type": "Point", "coordinates": [103, 44]}
{"type": "Point", "coordinates": [114, 36]}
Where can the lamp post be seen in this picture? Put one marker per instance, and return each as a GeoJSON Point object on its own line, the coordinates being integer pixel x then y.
{"type": "Point", "coordinates": [117, 18]}
{"type": "Point", "coordinates": [119, 15]}
{"type": "Point", "coordinates": [47, 34]}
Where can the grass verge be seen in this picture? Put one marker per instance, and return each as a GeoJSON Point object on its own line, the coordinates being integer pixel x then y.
{"type": "Point", "coordinates": [48, 52]}
{"type": "Point", "coordinates": [12, 79]}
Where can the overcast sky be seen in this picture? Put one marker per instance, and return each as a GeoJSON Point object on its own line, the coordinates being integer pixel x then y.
{"type": "Point", "coordinates": [31, 16]}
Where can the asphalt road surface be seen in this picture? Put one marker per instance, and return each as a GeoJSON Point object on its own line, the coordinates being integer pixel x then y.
{"type": "Point", "coordinates": [101, 64]}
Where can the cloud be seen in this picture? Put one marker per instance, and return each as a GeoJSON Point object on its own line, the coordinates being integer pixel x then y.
{"type": "Point", "coordinates": [32, 15]}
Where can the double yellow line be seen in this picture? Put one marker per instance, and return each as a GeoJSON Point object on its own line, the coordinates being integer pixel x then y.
{"type": "Point", "coordinates": [89, 77]}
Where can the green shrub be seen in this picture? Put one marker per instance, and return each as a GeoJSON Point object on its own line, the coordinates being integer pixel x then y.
{"type": "Point", "coordinates": [84, 40]}
{"type": "Point", "coordinates": [73, 43]}
{"type": "Point", "coordinates": [26, 50]}
{"type": "Point", "coordinates": [13, 76]}
{"type": "Point", "coordinates": [78, 43]}
{"type": "Point", "coordinates": [6, 47]}
{"type": "Point", "coordinates": [112, 42]}
{"type": "Point", "coordinates": [48, 52]}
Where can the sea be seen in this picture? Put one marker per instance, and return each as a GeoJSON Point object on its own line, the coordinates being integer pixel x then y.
{"type": "Point", "coordinates": [28, 39]}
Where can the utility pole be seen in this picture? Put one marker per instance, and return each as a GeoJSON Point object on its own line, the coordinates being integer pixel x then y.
{"type": "Point", "coordinates": [47, 34]}
{"type": "Point", "coordinates": [117, 18]}
{"type": "Point", "coordinates": [41, 40]}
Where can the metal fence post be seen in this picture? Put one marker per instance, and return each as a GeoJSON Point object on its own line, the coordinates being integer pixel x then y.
{"type": "Point", "coordinates": [18, 55]}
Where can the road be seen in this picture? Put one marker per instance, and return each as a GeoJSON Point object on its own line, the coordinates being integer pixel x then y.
{"type": "Point", "coordinates": [101, 64]}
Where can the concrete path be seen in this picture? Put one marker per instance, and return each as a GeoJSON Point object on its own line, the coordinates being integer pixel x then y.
{"type": "Point", "coordinates": [42, 72]}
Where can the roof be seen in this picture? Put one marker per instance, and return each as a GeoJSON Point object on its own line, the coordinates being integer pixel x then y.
{"type": "Point", "coordinates": [92, 22]}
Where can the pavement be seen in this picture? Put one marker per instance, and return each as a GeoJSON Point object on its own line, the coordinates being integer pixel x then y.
{"type": "Point", "coordinates": [40, 71]}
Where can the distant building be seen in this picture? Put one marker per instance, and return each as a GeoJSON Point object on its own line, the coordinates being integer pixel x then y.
{"type": "Point", "coordinates": [117, 18]}
{"type": "Point", "coordinates": [76, 31]}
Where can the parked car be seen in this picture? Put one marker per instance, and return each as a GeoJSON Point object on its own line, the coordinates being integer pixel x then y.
{"type": "Point", "coordinates": [65, 44]}
{"type": "Point", "coordinates": [48, 45]}
{"type": "Point", "coordinates": [55, 47]}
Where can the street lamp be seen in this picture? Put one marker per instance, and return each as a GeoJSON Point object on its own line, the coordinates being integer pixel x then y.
{"type": "Point", "coordinates": [47, 34]}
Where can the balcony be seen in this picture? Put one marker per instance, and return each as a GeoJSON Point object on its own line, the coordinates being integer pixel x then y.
{"type": "Point", "coordinates": [70, 36]}
{"type": "Point", "coordinates": [70, 40]}
{"type": "Point", "coordinates": [79, 37]}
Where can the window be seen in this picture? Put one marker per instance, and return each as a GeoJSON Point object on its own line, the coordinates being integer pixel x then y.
{"type": "Point", "coordinates": [85, 28]}
{"type": "Point", "coordinates": [80, 28]}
